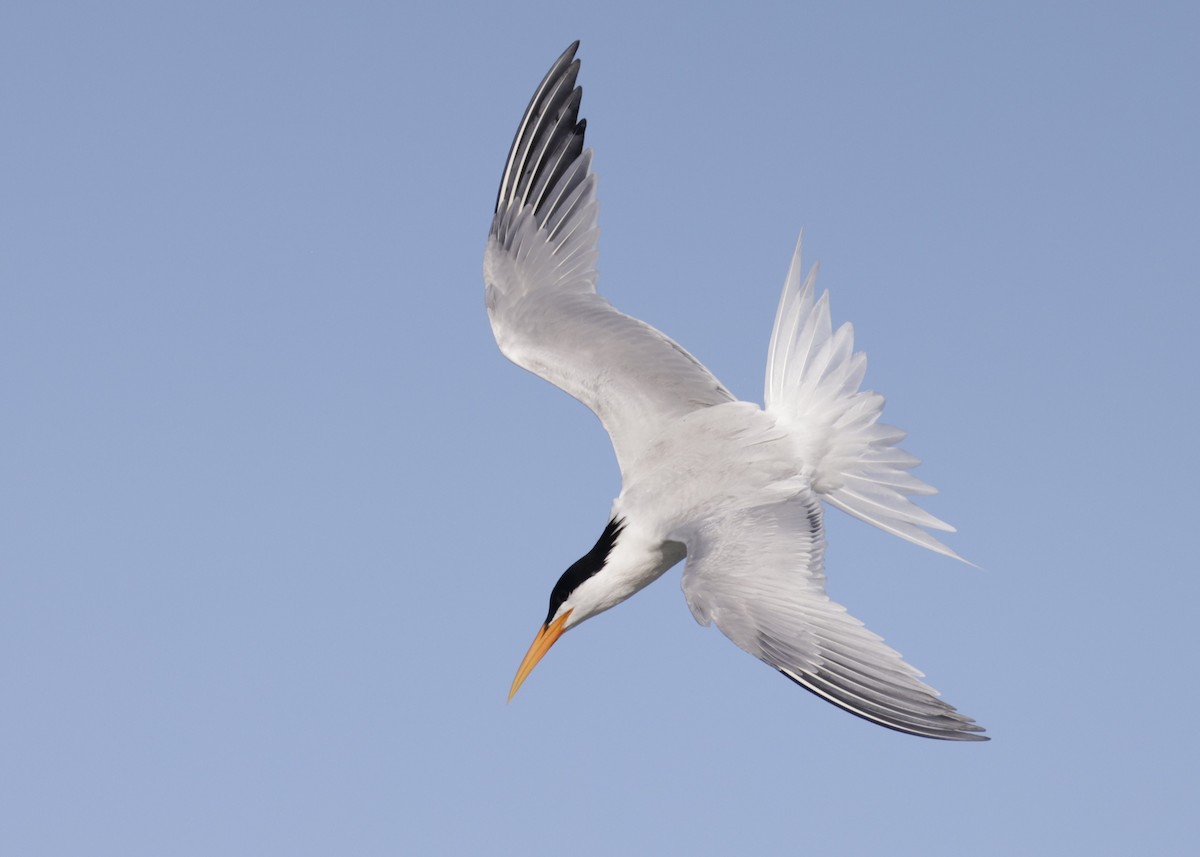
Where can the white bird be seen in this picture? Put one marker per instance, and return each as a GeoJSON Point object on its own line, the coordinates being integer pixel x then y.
{"type": "Point", "coordinates": [734, 488]}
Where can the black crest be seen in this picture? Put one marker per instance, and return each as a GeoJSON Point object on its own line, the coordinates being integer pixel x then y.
{"type": "Point", "coordinates": [584, 567]}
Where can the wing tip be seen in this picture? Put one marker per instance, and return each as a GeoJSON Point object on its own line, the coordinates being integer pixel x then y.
{"type": "Point", "coordinates": [563, 72]}
{"type": "Point", "coordinates": [947, 726]}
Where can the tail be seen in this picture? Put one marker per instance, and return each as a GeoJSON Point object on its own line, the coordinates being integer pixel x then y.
{"type": "Point", "coordinates": [813, 375]}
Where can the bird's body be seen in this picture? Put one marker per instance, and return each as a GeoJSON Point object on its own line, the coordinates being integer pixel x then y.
{"type": "Point", "coordinates": [735, 488]}
{"type": "Point", "coordinates": [708, 466]}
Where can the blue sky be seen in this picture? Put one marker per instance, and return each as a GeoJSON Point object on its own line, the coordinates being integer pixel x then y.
{"type": "Point", "coordinates": [279, 521]}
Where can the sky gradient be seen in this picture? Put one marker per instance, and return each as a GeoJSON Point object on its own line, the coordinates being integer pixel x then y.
{"type": "Point", "coordinates": [279, 521]}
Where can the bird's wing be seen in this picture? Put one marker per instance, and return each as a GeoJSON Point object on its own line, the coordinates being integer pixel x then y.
{"type": "Point", "coordinates": [757, 573]}
{"type": "Point", "coordinates": [812, 386]}
{"type": "Point", "coordinates": [540, 275]}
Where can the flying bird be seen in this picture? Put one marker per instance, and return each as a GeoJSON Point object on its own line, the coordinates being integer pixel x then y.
{"type": "Point", "coordinates": [735, 489]}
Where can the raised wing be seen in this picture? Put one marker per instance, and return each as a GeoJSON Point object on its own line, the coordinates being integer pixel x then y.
{"type": "Point", "coordinates": [539, 270]}
{"type": "Point", "coordinates": [812, 386]}
{"type": "Point", "coordinates": [757, 573]}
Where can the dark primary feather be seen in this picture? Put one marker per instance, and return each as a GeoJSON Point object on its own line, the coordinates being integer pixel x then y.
{"type": "Point", "coordinates": [547, 142]}
{"type": "Point", "coordinates": [944, 722]}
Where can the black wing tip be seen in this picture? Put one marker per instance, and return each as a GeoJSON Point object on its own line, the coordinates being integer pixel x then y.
{"type": "Point", "coordinates": [950, 726]}
{"type": "Point", "coordinates": [549, 127]}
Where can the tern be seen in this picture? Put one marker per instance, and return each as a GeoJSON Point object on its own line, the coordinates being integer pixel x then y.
{"type": "Point", "coordinates": [735, 489]}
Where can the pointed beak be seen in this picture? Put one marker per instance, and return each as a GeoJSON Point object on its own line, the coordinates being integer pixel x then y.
{"type": "Point", "coordinates": [545, 638]}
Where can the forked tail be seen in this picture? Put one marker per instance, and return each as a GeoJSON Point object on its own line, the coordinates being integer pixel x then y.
{"type": "Point", "coordinates": [813, 375]}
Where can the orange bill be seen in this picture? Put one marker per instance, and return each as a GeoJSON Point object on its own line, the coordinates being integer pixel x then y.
{"type": "Point", "coordinates": [545, 638]}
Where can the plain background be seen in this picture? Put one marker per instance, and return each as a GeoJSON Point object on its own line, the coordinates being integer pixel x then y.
{"type": "Point", "coordinates": [277, 520]}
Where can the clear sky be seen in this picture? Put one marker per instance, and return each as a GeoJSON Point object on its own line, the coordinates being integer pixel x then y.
{"type": "Point", "coordinates": [278, 521]}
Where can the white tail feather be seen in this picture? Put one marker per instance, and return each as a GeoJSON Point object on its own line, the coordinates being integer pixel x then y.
{"type": "Point", "coordinates": [812, 388]}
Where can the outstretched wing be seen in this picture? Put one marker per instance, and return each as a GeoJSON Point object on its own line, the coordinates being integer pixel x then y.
{"type": "Point", "coordinates": [757, 573]}
{"type": "Point", "coordinates": [539, 270]}
{"type": "Point", "coordinates": [813, 377]}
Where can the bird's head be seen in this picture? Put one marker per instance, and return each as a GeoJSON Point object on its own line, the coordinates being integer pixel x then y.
{"type": "Point", "coordinates": [579, 594]}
